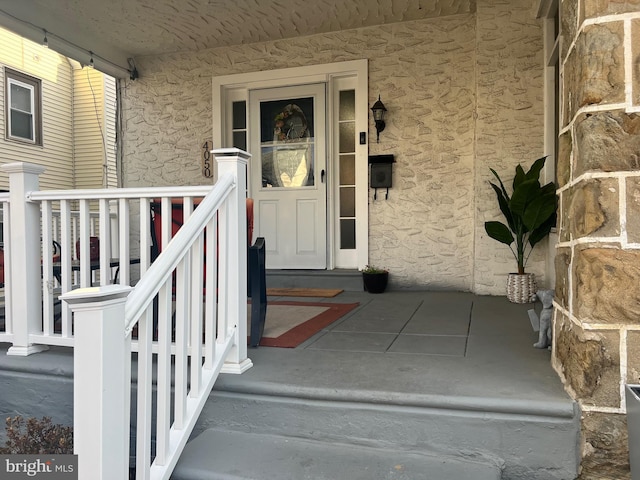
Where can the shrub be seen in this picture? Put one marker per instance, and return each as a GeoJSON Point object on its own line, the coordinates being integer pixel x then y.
{"type": "Point", "coordinates": [38, 437]}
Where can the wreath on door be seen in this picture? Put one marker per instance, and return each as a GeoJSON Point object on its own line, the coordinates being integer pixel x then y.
{"type": "Point", "coordinates": [290, 124]}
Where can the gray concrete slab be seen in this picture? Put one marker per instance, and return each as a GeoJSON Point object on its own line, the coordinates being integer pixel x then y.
{"type": "Point", "coordinates": [347, 279]}
{"type": "Point", "coordinates": [502, 388]}
{"type": "Point", "coordinates": [354, 341]}
{"type": "Point", "coordinates": [485, 392]}
{"type": "Point", "coordinates": [449, 345]}
{"type": "Point", "coordinates": [445, 317]}
{"type": "Point", "coordinates": [500, 364]}
{"type": "Point", "coordinates": [363, 321]}
{"type": "Point", "coordinates": [217, 454]}
{"type": "Point", "coordinates": [531, 446]}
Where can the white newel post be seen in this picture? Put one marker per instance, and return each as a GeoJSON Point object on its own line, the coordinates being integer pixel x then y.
{"type": "Point", "coordinates": [24, 231]}
{"type": "Point", "coordinates": [234, 161]}
{"type": "Point", "coordinates": [101, 382]}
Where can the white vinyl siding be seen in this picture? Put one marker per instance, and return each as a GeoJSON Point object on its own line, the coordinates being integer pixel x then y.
{"type": "Point", "coordinates": [89, 120]}
{"type": "Point", "coordinates": [73, 149]}
{"type": "Point", "coordinates": [54, 72]}
{"type": "Point", "coordinates": [94, 121]}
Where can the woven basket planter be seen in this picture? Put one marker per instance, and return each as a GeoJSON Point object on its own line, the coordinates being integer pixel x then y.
{"type": "Point", "coordinates": [521, 287]}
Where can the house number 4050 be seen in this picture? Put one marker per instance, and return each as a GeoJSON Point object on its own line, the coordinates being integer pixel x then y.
{"type": "Point", "coordinates": [207, 164]}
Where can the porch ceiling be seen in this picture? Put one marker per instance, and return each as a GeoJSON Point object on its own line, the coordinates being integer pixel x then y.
{"type": "Point", "coordinates": [116, 30]}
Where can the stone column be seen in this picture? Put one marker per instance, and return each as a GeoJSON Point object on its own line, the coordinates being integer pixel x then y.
{"type": "Point", "coordinates": [597, 322]}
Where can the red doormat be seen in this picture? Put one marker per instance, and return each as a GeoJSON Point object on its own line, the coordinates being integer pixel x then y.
{"type": "Point", "coordinates": [288, 324]}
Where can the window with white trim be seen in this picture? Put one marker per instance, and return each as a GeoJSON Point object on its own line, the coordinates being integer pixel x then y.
{"type": "Point", "coordinates": [23, 107]}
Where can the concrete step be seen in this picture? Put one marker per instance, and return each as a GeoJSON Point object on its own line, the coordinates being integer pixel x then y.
{"type": "Point", "coordinates": [348, 280]}
{"type": "Point", "coordinates": [528, 440]}
{"type": "Point", "coordinates": [224, 455]}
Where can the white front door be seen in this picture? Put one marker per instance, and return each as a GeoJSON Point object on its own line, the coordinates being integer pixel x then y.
{"type": "Point", "coordinates": [288, 174]}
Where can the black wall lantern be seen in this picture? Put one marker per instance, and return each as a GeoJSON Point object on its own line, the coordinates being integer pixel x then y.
{"type": "Point", "coordinates": [378, 110]}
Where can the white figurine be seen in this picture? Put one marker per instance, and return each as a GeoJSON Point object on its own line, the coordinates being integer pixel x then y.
{"type": "Point", "coordinates": [544, 322]}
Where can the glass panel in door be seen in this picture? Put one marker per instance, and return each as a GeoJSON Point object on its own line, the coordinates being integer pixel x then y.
{"type": "Point", "coordinates": [287, 143]}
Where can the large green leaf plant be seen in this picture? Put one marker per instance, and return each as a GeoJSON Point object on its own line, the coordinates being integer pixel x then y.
{"type": "Point", "coordinates": [530, 212]}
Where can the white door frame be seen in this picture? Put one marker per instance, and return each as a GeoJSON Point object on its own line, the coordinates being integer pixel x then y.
{"type": "Point", "coordinates": [235, 86]}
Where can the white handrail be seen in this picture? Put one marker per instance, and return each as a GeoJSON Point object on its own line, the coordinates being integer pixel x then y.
{"type": "Point", "coordinates": [185, 369]}
{"type": "Point", "coordinates": [161, 269]}
{"type": "Point", "coordinates": [118, 193]}
{"type": "Point", "coordinates": [60, 223]}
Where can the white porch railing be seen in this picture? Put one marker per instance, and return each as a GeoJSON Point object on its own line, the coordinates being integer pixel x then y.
{"type": "Point", "coordinates": [197, 309]}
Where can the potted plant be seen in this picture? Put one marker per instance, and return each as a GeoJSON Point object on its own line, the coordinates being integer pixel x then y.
{"type": "Point", "coordinates": [374, 279]}
{"type": "Point", "coordinates": [530, 213]}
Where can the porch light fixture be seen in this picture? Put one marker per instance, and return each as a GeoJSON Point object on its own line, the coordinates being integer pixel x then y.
{"type": "Point", "coordinates": [91, 64]}
{"type": "Point", "coordinates": [45, 42]}
{"type": "Point", "coordinates": [378, 110]}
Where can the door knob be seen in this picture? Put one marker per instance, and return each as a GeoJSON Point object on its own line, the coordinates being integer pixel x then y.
{"type": "Point", "coordinates": [322, 175]}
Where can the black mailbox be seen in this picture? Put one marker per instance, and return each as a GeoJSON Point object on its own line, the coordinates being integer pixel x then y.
{"type": "Point", "coordinates": [381, 173]}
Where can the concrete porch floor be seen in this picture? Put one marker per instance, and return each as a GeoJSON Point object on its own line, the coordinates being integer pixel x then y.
{"type": "Point", "coordinates": [444, 383]}
{"type": "Point", "coordinates": [430, 381]}
{"type": "Point", "coordinates": [417, 346]}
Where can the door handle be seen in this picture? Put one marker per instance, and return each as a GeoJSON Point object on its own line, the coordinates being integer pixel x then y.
{"type": "Point", "coordinates": [322, 175]}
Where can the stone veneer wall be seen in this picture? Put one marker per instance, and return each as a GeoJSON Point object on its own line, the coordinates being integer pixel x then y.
{"type": "Point", "coordinates": [464, 93]}
{"type": "Point", "coordinates": [597, 319]}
